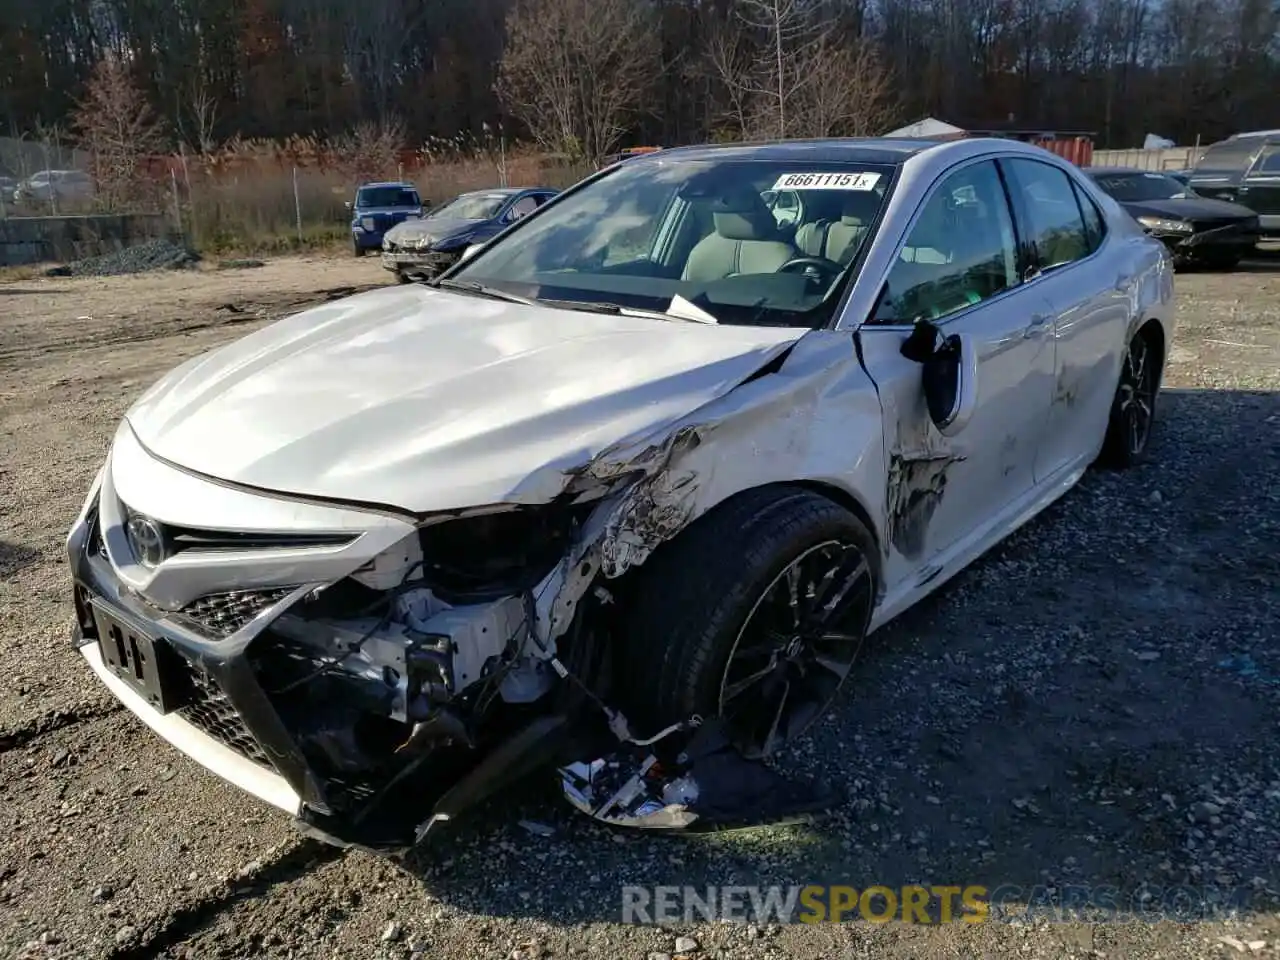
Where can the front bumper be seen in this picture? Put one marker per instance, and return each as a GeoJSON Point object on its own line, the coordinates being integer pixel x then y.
{"type": "Point", "coordinates": [1238, 238]}
{"type": "Point", "coordinates": [200, 625]}
{"type": "Point", "coordinates": [213, 754]}
{"type": "Point", "coordinates": [428, 262]}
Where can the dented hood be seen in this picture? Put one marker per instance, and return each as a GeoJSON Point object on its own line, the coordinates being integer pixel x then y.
{"type": "Point", "coordinates": [426, 400]}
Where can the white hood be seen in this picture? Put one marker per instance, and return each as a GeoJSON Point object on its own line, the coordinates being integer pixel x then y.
{"type": "Point", "coordinates": [428, 400]}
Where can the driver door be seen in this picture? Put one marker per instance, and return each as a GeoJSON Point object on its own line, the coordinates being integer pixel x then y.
{"type": "Point", "coordinates": [959, 268]}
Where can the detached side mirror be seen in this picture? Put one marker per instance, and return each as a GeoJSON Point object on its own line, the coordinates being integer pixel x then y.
{"type": "Point", "coordinates": [949, 375]}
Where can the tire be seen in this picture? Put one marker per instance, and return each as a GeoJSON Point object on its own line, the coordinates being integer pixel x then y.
{"type": "Point", "coordinates": [402, 277]}
{"type": "Point", "coordinates": [714, 585]}
{"type": "Point", "coordinates": [1122, 448]}
{"type": "Point", "coordinates": [358, 250]}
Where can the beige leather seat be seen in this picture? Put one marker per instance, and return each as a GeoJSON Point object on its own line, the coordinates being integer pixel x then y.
{"type": "Point", "coordinates": [838, 240]}
{"type": "Point", "coordinates": [744, 240]}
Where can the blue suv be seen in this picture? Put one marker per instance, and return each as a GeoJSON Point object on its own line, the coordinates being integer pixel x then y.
{"type": "Point", "coordinates": [377, 208]}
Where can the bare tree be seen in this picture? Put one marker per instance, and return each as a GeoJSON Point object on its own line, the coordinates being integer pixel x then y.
{"type": "Point", "coordinates": [787, 71]}
{"type": "Point", "coordinates": [371, 150]}
{"type": "Point", "coordinates": [197, 118]}
{"type": "Point", "coordinates": [848, 92]}
{"type": "Point", "coordinates": [116, 126]}
{"type": "Point", "coordinates": [577, 72]}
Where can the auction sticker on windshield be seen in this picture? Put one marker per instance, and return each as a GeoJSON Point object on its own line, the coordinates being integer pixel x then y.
{"type": "Point", "coordinates": [827, 181]}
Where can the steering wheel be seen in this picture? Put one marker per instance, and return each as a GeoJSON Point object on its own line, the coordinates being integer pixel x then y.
{"type": "Point", "coordinates": [815, 269]}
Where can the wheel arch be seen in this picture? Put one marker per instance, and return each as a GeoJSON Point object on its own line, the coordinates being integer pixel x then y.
{"type": "Point", "coordinates": [1153, 330]}
{"type": "Point", "coordinates": [842, 497]}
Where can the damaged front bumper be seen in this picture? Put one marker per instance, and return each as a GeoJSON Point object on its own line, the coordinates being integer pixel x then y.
{"type": "Point", "coordinates": [426, 263]}
{"type": "Point", "coordinates": [1230, 239]}
{"type": "Point", "coordinates": [244, 683]}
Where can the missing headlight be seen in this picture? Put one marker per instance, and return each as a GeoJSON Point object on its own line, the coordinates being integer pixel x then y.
{"type": "Point", "coordinates": [500, 553]}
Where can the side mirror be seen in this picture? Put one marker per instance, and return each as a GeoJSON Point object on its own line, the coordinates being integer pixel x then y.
{"type": "Point", "coordinates": [347, 204]}
{"type": "Point", "coordinates": [949, 375]}
{"type": "Point", "coordinates": [470, 252]}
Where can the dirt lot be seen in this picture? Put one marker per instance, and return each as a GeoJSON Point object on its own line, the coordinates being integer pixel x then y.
{"type": "Point", "coordinates": [1096, 702]}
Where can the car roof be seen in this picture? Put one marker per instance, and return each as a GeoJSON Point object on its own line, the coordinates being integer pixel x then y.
{"type": "Point", "coordinates": [389, 183]}
{"type": "Point", "coordinates": [1107, 171]}
{"type": "Point", "coordinates": [1250, 134]}
{"type": "Point", "coordinates": [506, 191]}
{"type": "Point", "coordinates": [877, 150]}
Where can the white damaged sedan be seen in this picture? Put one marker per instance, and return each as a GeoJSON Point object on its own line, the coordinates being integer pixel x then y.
{"type": "Point", "coordinates": [660, 453]}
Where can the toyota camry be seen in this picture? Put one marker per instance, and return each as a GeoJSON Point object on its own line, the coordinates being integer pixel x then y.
{"type": "Point", "coordinates": [653, 458]}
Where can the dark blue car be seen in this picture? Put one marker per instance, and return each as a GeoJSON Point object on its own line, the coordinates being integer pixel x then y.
{"type": "Point", "coordinates": [425, 247]}
{"type": "Point", "coordinates": [377, 208]}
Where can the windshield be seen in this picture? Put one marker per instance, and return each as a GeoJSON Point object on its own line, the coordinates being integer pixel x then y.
{"type": "Point", "coordinates": [744, 241]}
{"type": "Point", "coordinates": [387, 197]}
{"type": "Point", "coordinates": [1139, 187]}
{"type": "Point", "coordinates": [1229, 156]}
{"type": "Point", "coordinates": [471, 206]}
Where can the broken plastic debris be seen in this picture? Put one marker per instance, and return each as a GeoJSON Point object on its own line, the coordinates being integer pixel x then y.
{"type": "Point", "coordinates": [697, 782]}
{"type": "Point", "coordinates": [538, 829]}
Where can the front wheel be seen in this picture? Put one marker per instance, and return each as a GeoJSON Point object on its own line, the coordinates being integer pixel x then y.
{"type": "Point", "coordinates": [1133, 410]}
{"type": "Point", "coordinates": [755, 613]}
{"type": "Point", "coordinates": [358, 250]}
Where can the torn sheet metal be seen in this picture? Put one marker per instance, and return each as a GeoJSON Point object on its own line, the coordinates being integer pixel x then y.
{"type": "Point", "coordinates": [690, 782]}
{"type": "Point", "coordinates": [763, 431]}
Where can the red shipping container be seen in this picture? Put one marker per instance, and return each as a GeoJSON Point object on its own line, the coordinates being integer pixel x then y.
{"type": "Point", "coordinates": [1079, 150]}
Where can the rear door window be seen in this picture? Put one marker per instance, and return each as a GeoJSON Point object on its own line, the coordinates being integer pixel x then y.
{"type": "Point", "coordinates": [1046, 200]}
{"type": "Point", "coordinates": [1268, 165]}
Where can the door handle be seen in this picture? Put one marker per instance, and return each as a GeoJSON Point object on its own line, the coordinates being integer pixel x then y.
{"type": "Point", "coordinates": [1038, 325]}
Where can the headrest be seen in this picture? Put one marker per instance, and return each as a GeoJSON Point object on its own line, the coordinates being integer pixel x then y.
{"type": "Point", "coordinates": [743, 216]}
{"type": "Point", "coordinates": [859, 207]}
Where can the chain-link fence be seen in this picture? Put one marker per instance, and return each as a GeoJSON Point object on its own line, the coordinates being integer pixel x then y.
{"type": "Point", "coordinates": [255, 196]}
{"type": "Point", "coordinates": [43, 177]}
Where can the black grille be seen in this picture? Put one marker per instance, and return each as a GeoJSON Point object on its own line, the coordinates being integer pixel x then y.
{"type": "Point", "coordinates": [211, 711]}
{"type": "Point", "coordinates": [219, 615]}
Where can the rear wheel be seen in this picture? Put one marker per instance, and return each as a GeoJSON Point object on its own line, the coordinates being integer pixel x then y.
{"type": "Point", "coordinates": [358, 250]}
{"type": "Point", "coordinates": [1133, 410]}
{"type": "Point", "coordinates": [755, 613]}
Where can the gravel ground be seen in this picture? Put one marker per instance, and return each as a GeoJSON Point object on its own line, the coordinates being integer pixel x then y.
{"type": "Point", "coordinates": [1095, 702]}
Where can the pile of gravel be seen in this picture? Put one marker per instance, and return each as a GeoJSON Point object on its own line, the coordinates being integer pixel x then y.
{"type": "Point", "coordinates": [158, 254]}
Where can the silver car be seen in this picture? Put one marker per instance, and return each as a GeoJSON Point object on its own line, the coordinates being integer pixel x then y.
{"type": "Point", "coordinates": [58, 186]}
{"type": "Point", "coordinates": [650, 458]}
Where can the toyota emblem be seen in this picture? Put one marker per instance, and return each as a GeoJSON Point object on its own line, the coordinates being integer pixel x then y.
{"type": "Point", "coordinates": [146, 539]}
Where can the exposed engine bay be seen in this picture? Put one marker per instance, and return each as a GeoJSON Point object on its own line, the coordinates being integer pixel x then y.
{"type": "Point", "coordinates": [411, 683]}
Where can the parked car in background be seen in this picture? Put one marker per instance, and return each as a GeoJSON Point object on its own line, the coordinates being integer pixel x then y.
{"type": "Point", "coordinates": [638, 463]}
{"type": "Point", "coordinates": [377, 208]}
{"type": "Point", "coordinates": [628, 154]}
{"type": "Point", "coordinates": [1244, 168]}
{"type": "Point", "coordinates": [55, 186]}
{"type": "Point", "coordinates": [423, 248]}
{"type": "Point", "coordinates": [1182, 176]}
{"type": "Point", "coordinates": [1197, 230]}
